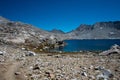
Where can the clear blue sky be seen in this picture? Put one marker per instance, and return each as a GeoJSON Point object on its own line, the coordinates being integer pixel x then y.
{"type": "Point", "coordinates": [61, 14]}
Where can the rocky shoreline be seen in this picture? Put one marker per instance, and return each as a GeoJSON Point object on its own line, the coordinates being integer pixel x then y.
{"type": "Point", "coordinates": [22, 64]}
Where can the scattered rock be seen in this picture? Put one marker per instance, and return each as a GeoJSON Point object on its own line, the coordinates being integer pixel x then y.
{"type": "Point", "coordinates": [41, 50]}
{"type": "Point", "coordinates": [58, 71]}
{"type": "Point", "coordinates": [60, 51]}
{"type": "Point", "coordinates": [99, 68]}
{"type": "Point", "coordinates": [36, 67]}
{"type": "Point", "coordinates": [17, 73]}
{"type": "Point", "coordinates": [91, 77]}
{"type": "Point", "coordinates": [84, 74]}
{"type": "Point", "coordinates": [58, 56]}
{"type": "Point", "coordinates": [30, 53]}
{"type": "Point", "coordinates": [2, 53]}
{"type": "Point", "coordinates": [45, 79]}
{"type": "Point", "coordinates": [91, 67]}
{"type": "Point", "coordinates": [74, 79]}
{"type": "Point", "coordinates": [23, 48]}
{"type": "Point", "coordinates": [84, 68]}
{"type": "Point", "coordinates": [52, 76]}
{"type": "Point", "coordinates": [81, 51]}
{"type": "Point", "coordinates": [50, 55]}
{"type": "Point", "coordinates": [48, 71]}
{"type": "Point", "coordinates": [46, 47]}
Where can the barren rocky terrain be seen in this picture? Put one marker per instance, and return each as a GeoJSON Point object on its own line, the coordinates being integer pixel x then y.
{"type": "Point", "coordinates": [19, 64]}
{"type": "Point", "coordinates": [23, 55]}
{"type": "Point", "coordinates": [15, 31]}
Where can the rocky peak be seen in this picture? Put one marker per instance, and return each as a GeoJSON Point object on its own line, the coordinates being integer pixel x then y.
{"type": "Point", "coordinates": [83, 27]}
{"type": "Point", "coordinates": [99, 30]}
{"type": "Point", "coordinates": [57, 31]}
{"type": "Point", "coordinates": [110, 24]}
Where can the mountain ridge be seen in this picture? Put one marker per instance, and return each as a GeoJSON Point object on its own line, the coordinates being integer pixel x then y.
{"type": "Point", "coordinates": [99, 30]}
{"type": "Point", "coordinates": [58, 31]}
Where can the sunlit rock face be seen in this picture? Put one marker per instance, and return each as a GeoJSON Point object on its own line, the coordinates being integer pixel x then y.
{"type": "Point", "coordinates": [100, 30]}
{"type": "Point", "coordinates": [57, 31]}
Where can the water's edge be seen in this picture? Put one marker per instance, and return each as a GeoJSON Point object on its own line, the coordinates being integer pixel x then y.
{"type": "Point", "coordinates": [94, 45]}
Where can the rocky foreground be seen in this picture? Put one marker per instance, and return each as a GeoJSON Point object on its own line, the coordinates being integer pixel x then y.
{"type": "Point", "coordinates": [19, 64]}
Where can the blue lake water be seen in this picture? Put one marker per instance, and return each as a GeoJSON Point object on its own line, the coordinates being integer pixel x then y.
{"type": "Point", "coordinates": [89, 45]}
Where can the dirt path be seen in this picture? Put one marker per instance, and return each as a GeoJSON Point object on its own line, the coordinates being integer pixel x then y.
{"type": "Point", "coordinates": [7, 71]}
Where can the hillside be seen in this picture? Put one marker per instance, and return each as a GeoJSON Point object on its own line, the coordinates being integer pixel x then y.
{"type": "Point", "coordinates": [18, 32]}
{"type": "Point", "coordinates": [26, 35]}
{"type": "Point", "coordinates": [57, 31]}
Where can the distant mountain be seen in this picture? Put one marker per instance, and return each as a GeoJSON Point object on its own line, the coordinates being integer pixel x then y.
{"type": "Point", "coordinates": [99, 30]}
{"type": "Point", "coordinates": [57, 31]}
{"type": "Point", "coordinates": [19, 32]}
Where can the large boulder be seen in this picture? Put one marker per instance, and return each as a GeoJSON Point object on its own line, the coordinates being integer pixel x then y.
{"type": "Point", "coordinates": [105, 74]}
{"type": "Point", "coordinates": [1, 53]}
{"type": "Point", "coordinates": [30, 53]}
{"type": "Point", "coordinates": [114, 49]}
